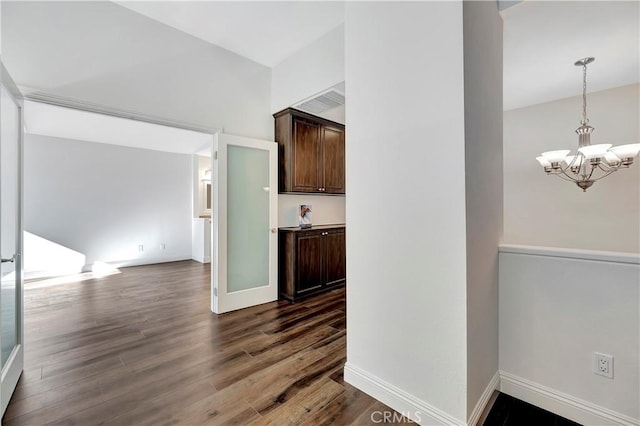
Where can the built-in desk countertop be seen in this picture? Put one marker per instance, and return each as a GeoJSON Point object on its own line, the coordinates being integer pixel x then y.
{"type": "Point", "coordinates": [312, 228]}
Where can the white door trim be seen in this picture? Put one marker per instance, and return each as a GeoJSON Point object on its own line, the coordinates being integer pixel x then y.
{"type": "Point", "coordinates": [221, 300]}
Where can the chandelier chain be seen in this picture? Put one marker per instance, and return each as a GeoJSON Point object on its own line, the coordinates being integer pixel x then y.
{"type": "Point", "coordinates": [585, 120]}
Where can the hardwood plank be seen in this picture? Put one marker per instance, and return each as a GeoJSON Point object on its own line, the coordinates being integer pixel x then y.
{"type": "Point", "coordinates": [283, 388]}
{"type": "Point", "coordinates": [344, 409]}
{"type": "Point", "coordinates": [306, 404]}
{"type": "Point", "coordinates": [71, 394]}
{"type": "Point", "coordinates": [221, 408]}
{"type": "Point", "coordinates": [379, 413]}
{"type": "Point", "coordinates": [142, 347]}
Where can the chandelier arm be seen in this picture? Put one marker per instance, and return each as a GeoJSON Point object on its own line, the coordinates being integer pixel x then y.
{"type": "Point", "coordinates": [608, 167]}
{"type": "Point", "coordinates": [564, 171]}
{"type": "Point", "coordinates": [593, 168]}
{"type": "Point", "coordinates": [568, 178]}
{"type": "Point", "coordinates": [604, 175]}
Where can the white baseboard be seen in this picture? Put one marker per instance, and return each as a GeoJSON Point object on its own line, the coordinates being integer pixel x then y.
{"type": "Point", "coordinates": [149, 260]}
{"type": "Point", "coordinates": [484, 399]}
{"type": "Point", "coordinates": [402, 402]}
{"type": "Point", "coordinates": [205, 259]}
{"type": "Point", "coordinates": [43, 274]}
{"type": "Point", "coordinates": [560, 403]}
{"type": "Point", "coordinates": [557, 402]}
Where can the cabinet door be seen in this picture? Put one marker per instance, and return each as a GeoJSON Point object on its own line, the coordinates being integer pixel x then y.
{"type": "Point", "coordinates": [311, 261]}
{"type": "Point", "coordinates": [336, 258]}
{"type": "Point", "coordinates": [333, 160]}
{"type": "Point", "coordinates": [305, 156]}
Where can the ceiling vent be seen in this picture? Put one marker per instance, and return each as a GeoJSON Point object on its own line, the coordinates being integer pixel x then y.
{"type": "Point", "coordinates": [322, 102]}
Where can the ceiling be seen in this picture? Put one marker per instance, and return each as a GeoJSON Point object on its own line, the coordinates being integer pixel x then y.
{"type": "Point", "coordinates": [266, 32]}
{"type": "Point", "coordinates": [70, 49]}
{"type": "Point", "coordinates": [51, 120]}
{"type": "Point", "coordinates": [542, 39]}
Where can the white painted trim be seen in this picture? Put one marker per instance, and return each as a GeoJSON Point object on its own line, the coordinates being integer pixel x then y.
{"type": "Point", "coordinates": [484, 399]}
{"type": "Point", "coordinates": [36, 95]}
{"type": "Point", "coordinates": [408, 405]}
{"type": "Point", "coordinates": [223, 300]}
{"type": "Point", "coordinates": [560, 403]}
{"type": "Point", "coordinates": [202, 259]}
{"type": "Point", "coordinates": [603, 256]}
{"type": "Point", "coordinates": [147, 261]}
{"type": "Point", "coordinates": [11, 374]}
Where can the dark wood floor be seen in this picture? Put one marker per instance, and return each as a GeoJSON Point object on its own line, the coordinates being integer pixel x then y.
{"type": "Point", "coordinates": [142, 347]}
{"type": "Point", "coordinates": [509, 411]}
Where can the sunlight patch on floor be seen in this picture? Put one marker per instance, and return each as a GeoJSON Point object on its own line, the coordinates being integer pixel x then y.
{"type": "Point", "coordinates": [99, 270]}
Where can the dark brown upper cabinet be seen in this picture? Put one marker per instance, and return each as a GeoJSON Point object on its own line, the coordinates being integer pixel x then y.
{"type": "Point", "coordinates": [311, 153]}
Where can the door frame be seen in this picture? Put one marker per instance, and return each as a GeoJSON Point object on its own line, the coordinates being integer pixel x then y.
{"type": "Point", "coordinates": [219, 228]}
{"type": "Point", "coordinates": [15, 363]}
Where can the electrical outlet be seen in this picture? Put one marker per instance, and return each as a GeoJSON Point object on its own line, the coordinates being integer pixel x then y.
{"type": "Point", "coordinates": [140, 247]}
{"type": "Point", "coordinates": [603, 365]}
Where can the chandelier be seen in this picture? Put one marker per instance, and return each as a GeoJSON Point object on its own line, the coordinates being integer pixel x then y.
{"type": "Point", "coordinates": [592, 162]}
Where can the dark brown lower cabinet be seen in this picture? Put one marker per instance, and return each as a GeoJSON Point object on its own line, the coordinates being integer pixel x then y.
{"type": "Point", "coordinates": [311, 260]}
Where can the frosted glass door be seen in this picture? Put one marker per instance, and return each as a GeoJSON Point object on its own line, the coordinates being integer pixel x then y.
{"type": "Point", "coordinates": [10, 239]}
{"type": "Point", "coordinates": [244, 222]}
{"type": "Point", "coordinates": [248, 223]}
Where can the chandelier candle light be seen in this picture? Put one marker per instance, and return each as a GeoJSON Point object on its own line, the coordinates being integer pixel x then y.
{"type": "Point", "coordinates": [592, 162]}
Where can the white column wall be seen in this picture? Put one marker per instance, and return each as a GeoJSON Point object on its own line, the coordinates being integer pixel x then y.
{"type": "Point", "coordinates": [483, 160]}
{"type": "Point", "coordinates": [406, 262]}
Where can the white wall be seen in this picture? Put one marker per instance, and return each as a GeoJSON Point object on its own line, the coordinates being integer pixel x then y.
{"type": "Point", "coordinates": [327, 210]}
{"type": "Point", "coordinates": [483, 161]}
{"type": "Point", "coordinates": [543, 210]}
{"type": "Point", "coordinates": [200, 165]}
{"type": "Point", "coordinates": [201, 240]}
{"type": "Point", "coordinates": [104, 200]}
{"type": "Point", "coordinates": [556, 309]}
{"type": "Point", "coordinates": [313, 69]}
{"type": "Point", "coordinates": [406, 262]}
{"type": "Point", "coordinates": [70, 50]}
